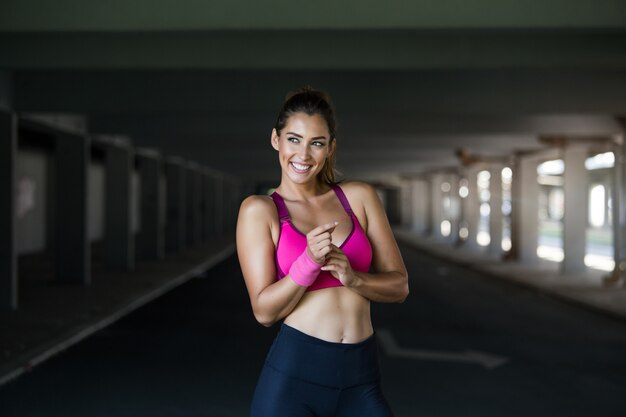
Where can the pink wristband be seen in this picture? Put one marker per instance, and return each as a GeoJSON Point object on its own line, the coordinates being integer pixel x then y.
{"type": "Point", "coordinates": [304, 270]}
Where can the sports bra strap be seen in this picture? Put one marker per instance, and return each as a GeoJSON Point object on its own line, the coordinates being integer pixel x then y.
{"type": "Point", "coordinates": [342, 198]}
{"type": "Point", "coordinates": [283, 214]}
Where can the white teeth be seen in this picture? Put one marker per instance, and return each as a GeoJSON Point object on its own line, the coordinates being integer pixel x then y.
{"type": "Point", "coordinates": [301, 167]}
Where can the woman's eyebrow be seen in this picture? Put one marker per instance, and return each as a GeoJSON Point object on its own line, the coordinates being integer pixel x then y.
{"type": "Point", "coordinates": [300, 136]}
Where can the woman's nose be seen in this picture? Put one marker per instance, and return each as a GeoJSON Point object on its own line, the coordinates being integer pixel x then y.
{"type": "Point", "coordinates": [304, 153]}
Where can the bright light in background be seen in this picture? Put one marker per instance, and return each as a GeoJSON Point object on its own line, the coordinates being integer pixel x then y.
{"type": "Point", "coordinates": [445, 228]}
{"type": "Point", "coordinates": [507, 175]}
{"type": "Point", "coordinates": [550, 253]}
{"type": "Point", "coordinates": [596, 205]}
{"type": "Point", "coordinates": [599, 203]}
{"type": "Point", "coordinates": [556, 203]}
{"type": "Point", "coordinates": [603, 263]}
{"type": "Point", "coordinates": [483, 183]}
{"type": "Point", "coordinates": [463, 191]}
{"type": "Point", "coordinates": [463, 232]}
{"type": "Point", "coordinates": [483, 179]}
{"type": "Point", "coordinates": [445, 187]}
{"type": "Point", "coordinates": [554, 167]}
{"type": "Point", "coordinates": [483, 238]}
{"type": "Point", "coordinates": [507, 179]}
{"type": "Point", "coordinates": [602, 160]}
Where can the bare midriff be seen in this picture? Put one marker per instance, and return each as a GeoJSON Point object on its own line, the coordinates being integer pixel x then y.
{"type": "Point", "coordinates": [335, 314]}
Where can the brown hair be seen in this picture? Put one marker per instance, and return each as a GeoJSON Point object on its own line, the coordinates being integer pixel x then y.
{"type": "Point", "coordinates": [310, 101]}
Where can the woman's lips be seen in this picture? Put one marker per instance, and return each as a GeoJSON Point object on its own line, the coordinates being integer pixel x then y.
{"type": "Point", "coordinates": [300, 171]}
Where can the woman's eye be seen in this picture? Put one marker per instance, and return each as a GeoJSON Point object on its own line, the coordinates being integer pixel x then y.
{"type": "Point", "coordinates": [320, 144]}
{"type": "Point", "coordinates": [294, 140]}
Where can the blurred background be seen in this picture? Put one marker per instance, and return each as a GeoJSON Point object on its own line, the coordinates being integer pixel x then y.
{"type": "Point", "coordinates": [130, 132]}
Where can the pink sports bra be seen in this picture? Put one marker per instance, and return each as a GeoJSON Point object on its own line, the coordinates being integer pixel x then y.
{"type": "Point", "coordinates": [292, 242]}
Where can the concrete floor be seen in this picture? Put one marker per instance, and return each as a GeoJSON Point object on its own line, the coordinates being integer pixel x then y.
{"type": "Point", "coordinates": [197, 351]}
{"type": "Point", "coordinates": [53, 315]}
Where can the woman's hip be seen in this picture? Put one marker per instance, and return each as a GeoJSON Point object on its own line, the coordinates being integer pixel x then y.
{"type": "Point", "coordinates": [331, 364]}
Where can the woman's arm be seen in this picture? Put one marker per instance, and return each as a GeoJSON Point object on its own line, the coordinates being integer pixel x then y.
{"type": "Point", "coordinates": [271, 300]}
{"type": "Point", "coordinates": [389, 282]}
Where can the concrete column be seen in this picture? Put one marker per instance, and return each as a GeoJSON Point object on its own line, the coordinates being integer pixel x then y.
{"type": "Point", "coordinates": [576, 195]}
{"type": "Point", "coordinates": [392, 204]}
{"type": "Point", "coordinates": [618, 188]}
{"type": "Point", "coordinates": [471, 208]}
{"type": "Point", "coordinates": [51, 205]}
{"type": "Point", "coordinates": [436, 201]}
{"type": "Point", "coordinates": [454, 211]}
{"type": "Point", "coordinates": [495, 206]}
{"type": "Point", "coordinates": [150, 241]}
{"type": "Point", "coordinates": [175, 205]}
{"type": "Point", "coordinates": [194, 201]}
{"type": "Point", "coordinates": [419, 204]}
{"type": "Point", "coordinates": [119, 241]}
{"type": "Point", "coordinates": [428, 204]}
{"type": "Point", "coordinates": [73, 258]}
{"type": "Point", "coordinates": [525, 210]}
{"type": "Point", "coordinates": [8, 251]}
{"type": "Point", "coordinates": [406, 202]}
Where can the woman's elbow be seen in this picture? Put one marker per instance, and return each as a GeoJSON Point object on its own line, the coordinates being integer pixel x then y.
{"type": "Point", "coordinates": [264, 318]}
{"type": "Point", "coordinates": [403, 293]}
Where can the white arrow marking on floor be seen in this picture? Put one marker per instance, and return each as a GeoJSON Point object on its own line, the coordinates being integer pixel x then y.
{"type": "Point", "coordinates": [469, 356]}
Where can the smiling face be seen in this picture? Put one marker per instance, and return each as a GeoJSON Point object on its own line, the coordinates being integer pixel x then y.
{"type": "Point", "coordinates": [303, 146]}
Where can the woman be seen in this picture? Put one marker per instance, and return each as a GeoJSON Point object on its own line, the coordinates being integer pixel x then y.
{"type": "Point", "coordinates": [305, 253]}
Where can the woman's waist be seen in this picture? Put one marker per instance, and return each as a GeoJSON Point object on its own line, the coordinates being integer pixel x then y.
{"type": "Point", "coordinates": [333, 314]}
{"type": "Point", "coordinates": [309, 358]}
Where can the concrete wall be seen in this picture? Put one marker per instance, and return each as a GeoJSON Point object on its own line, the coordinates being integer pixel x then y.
{"type": "Point", "coordinates": [31, 200]}
{"type": "Point", "coordinates": [95, 202]}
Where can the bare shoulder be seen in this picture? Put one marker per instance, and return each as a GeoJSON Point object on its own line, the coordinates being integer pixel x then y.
{"type": "Point", "coordinates": [359, 191]}
{"type": "Point", "coordinates": [362, 197]}
{"type": "Point", "coordinates": [258, 207]}
{"type": "Point", "coordinates": [257, 203]}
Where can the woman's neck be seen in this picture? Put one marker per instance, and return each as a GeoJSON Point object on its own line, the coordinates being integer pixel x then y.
{"type": "Point", "coordinates": [303, 192]}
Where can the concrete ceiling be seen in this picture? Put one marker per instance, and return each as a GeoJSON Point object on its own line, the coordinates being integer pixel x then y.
{"type": "Point", "coordinates": [411, 85]}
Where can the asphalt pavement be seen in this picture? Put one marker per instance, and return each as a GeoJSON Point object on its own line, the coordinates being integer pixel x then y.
{"type": "Point", "coordinates": [463, 344]}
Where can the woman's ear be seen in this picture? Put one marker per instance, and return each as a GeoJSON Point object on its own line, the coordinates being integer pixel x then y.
{"type": "Point", "coordinates": [274, 139]}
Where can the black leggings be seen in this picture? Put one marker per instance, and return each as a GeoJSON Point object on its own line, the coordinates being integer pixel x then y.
{"type": "Point", "coordinates": [305, 376]}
